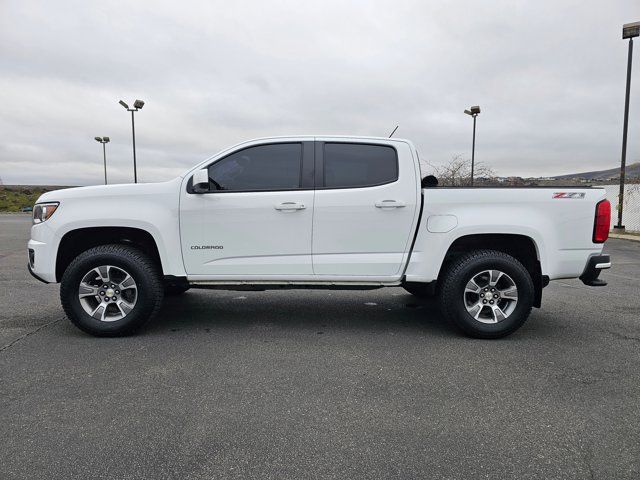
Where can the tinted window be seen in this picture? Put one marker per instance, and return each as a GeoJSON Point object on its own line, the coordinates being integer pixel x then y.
{"type": "Point", "coordinates": [358, 165]}
{"type": "Point", "coordinates": [263, 167]}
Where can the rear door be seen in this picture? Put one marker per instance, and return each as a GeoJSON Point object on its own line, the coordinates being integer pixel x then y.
{"type": "Point", "coordinates": [366, 207]}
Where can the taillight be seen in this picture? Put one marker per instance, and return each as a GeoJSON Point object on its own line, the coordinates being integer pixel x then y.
{"type": "Point", "coordinates": [602, 222]}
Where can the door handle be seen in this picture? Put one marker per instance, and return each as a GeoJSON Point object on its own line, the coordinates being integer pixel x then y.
{"type": "Point", "coordinates": [390, 204]}
{"type": "Point", "coordinates": [290, 206]}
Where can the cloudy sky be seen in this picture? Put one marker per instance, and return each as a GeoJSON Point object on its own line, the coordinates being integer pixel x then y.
{"type": "Point", "coordinates": [548, 75]}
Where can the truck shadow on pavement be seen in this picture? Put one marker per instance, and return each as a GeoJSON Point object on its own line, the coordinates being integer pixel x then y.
{"type": "Point", "coordinates": [389, 310]}
{"type": "Point", "coordinates": [299, 309]}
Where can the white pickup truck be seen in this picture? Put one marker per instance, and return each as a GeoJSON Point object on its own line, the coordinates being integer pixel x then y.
{"type": "Point", "coordinates": [315, 212]}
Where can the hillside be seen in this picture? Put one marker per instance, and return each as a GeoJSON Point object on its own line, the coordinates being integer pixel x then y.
{"type": "Point", "coordinates": [632, 171]}
{"type": "Point", "coordinates": [14, 197]}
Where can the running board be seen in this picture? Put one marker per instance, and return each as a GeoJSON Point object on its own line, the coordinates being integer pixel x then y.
{"type": "Point", "coordinates": [280, 285]}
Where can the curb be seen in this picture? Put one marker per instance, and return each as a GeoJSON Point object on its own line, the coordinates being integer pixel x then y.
{"type": "Point", "coordinates": [623, 236]}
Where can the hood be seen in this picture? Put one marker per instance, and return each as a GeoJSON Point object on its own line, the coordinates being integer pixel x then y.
{"type": "Point", "coordinates": [106, 191]}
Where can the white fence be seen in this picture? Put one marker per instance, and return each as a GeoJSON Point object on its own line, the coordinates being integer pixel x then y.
{"type": "Point", "coordinates": [631, 210]}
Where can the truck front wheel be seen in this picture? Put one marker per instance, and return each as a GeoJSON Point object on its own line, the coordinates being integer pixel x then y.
{"type": "Point", "coordinates": [111, 290]}
{"type": "Point", "coordinates": [487, 294]}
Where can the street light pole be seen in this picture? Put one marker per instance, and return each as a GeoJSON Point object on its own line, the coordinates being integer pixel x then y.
{"type": "Point", "coordinates": [104, 156]}
{"type": "Point", "coordinates": [133, 134]}
{"type": "Point", "coordinates": [473, 148]}
{"type": "Point", "coordinates": [473, 111]}
{"type": "Point", "coordinates": [629, 30]}
{"type": "Point", "coordinates": [137, 105]}
{"type": "Point", "coordinates": [104, 141]}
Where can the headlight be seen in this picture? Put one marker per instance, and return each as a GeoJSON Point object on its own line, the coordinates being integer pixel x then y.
{"type": "Point", "coordinates": [43, 211]}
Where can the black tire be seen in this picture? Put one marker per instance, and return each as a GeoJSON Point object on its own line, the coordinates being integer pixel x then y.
{"type": "Point", "coordinates": [144, 272]}
{"type": "Point", "coordinates": [420, 290]}
{"type": "Point", "coordinates": [173, 290]}
{"type": "Point", "coordinates": [462, 270]}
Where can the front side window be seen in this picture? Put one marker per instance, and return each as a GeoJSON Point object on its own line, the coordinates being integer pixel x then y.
{"type": "Point", "coordinates": [263, 167]}
{"type": "Point", "coordinates": [359, 165]}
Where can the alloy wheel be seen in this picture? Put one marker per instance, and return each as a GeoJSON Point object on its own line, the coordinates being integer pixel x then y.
{"type": "Point", "coordinates": [490, 296]}
{"type": "Point", "coordinates": [108, 293]}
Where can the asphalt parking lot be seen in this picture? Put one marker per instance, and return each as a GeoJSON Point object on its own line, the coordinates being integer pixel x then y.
{"type": "Point", "coordinates": [320, 384]}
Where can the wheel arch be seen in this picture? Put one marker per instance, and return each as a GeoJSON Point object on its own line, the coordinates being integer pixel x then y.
{"type": "Point", "coordinates": [79, 240]}
{"type": "Point", "coordinates": [521, 247]}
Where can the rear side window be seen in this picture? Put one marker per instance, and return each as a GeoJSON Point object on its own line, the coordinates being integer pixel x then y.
{"type": "Point", "coordinates": [263, 167]}
{"type": "Point", "coordinates": [359, 165]}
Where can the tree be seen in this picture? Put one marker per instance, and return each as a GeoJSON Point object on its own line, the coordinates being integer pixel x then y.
{"type": "Point", "coordinates": [457, 173]}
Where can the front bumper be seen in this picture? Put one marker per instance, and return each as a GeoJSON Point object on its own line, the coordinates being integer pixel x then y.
{"type": "Point", "coordinates": [41, 250]}
{"type": "Point", "coordinates": [34, 275]}
{"type": "Point", "coordinates": [595, 265]}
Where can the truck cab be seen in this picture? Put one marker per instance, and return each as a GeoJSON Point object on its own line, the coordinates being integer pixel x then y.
{"type": "Point", "coordinates": [305, 209]}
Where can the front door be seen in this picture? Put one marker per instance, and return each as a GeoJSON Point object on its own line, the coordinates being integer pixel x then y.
{"type": "Point", "coordinates": [256, 220]}
{"type": "Point", "coordinates": [366, 208]}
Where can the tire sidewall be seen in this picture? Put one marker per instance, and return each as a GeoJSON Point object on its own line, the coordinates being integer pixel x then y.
{"type": "Point", "coordinates": [145, 303]}
{"type": "Point", "coordinates": [523, 282]}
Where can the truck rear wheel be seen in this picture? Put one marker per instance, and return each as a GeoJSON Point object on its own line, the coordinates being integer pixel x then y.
{"type": "Point", "coordinates": [111, 290]}
{"type": "Point", "coordinates": [487, 294]}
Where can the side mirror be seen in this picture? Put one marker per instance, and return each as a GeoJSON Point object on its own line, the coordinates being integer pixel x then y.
{"type": "Point", "coordinates": [201, 181]}
{"type": "Point", "coordinates": [429, 182]}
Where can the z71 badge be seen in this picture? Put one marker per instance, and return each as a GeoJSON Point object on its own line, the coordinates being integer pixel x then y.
{"type": "Point", "coordinates": [568, 195]}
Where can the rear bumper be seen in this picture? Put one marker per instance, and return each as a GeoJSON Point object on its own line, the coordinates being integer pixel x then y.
{"type": "Point", "coordinates": [595, 265]}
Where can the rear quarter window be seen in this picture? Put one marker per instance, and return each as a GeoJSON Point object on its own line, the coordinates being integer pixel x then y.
{"type": "Point", "coordinates": [353, 165]}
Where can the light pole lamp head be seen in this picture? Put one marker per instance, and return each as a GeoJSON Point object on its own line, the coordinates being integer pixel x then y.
{"type": "Point", "coordinates": [473, 111]}
{"type": "Point", "coordinates": [106, 139]}
{"type": "Point", "coordinates": [124, 104]}
{"type": "Point", "coordinates": [630, 30]}
{"type": "Point", "coordinates": [98, 139]}
{"type": "Point", "coordinates": [138, 104]}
